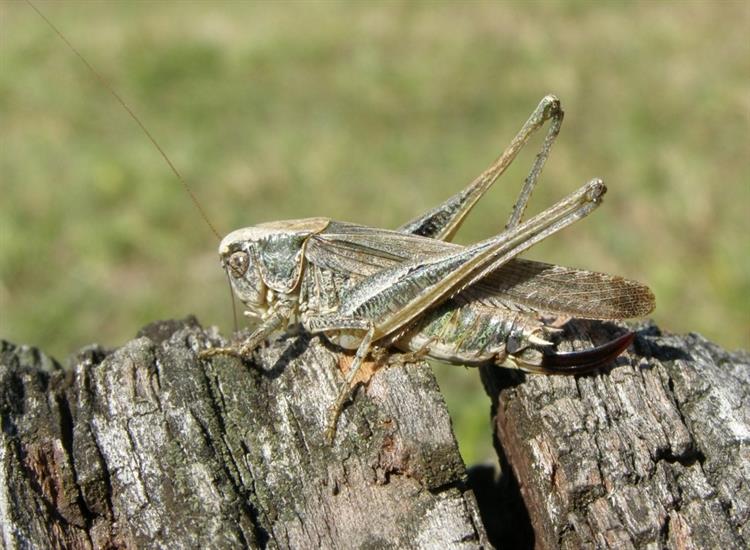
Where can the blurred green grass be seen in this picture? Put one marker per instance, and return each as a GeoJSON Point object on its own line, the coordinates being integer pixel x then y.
{"type": "Point", "coordinates": [370, 113]}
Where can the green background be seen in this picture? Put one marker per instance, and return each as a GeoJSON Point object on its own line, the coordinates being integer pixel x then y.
{"type": "Point", "coordinates": [367, 112]}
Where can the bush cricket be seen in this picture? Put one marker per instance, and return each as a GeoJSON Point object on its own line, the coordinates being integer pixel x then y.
{"type": "Point", "coordinates": [414, 290]}
{"type": "Point", "coordinates": [369, 289]}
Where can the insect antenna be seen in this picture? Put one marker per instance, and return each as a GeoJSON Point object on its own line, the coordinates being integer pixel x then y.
{"type": "Point", "coordinates": [148, 134]}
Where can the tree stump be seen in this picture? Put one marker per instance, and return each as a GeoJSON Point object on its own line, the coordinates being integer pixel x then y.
{"type": "Point", "coordinates": [650, 452]}
{"type": "Point", "coordinates": [148, 446]}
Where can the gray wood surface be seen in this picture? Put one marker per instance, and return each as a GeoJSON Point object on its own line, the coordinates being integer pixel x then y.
{"type": "Point", "coordinates": [145, 446]}
{"type": "Point", "coordinates": [652, 452]}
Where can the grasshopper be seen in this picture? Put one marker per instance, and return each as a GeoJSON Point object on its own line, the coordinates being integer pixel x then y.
{"type": "Point", "coordinates": [370, 289]}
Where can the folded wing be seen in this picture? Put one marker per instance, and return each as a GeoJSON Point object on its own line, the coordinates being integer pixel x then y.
{"type": "Point", "coordinates": [521, 285]}
{"type": "Point", "coordinates": [555, 289]}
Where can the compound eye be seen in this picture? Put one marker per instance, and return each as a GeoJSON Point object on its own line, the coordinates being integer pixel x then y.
{"type": "Point", "coordinates": [238, 263]}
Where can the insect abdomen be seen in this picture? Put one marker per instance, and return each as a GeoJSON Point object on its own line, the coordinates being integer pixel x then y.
{"type": "Point", "coordinates": [469, 333]}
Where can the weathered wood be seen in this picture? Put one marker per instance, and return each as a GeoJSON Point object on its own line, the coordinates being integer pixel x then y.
{"type": "Point", "coordinates": [146, 446]}
{"type": "Point", "coordinates": [652, 452]}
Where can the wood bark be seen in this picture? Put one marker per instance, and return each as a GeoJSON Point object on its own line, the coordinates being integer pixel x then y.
{"type": "Point", "coordinates": [651, 452]}
{"type": "Point", "coordinates": [147, 446]}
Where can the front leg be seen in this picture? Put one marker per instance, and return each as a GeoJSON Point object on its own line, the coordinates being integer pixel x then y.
{"type": "Point", "coordinates": [248, 346]}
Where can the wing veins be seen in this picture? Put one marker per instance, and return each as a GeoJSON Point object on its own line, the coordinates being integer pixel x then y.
{"type": "Point", "coordinates": [522, 285]}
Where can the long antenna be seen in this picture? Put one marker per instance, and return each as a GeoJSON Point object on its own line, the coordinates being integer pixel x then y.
{"type": "Point", "coordinates": [111, 90]}
{"type": "Point", "coordinates": [151, 138]}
